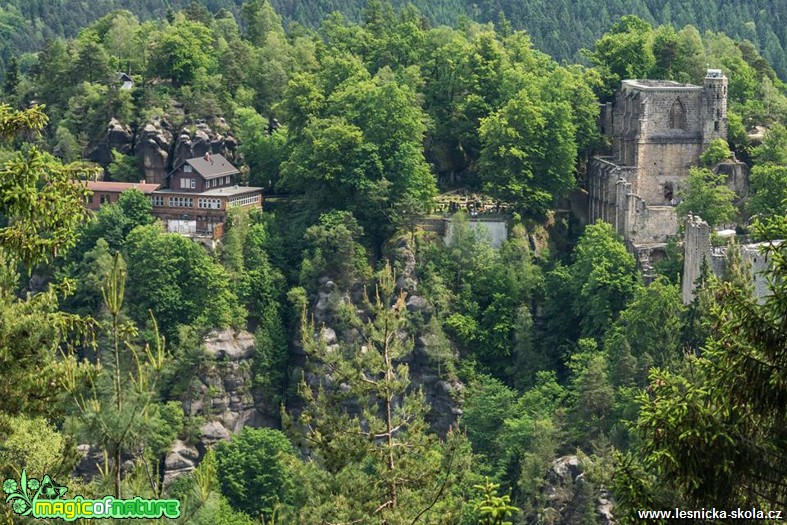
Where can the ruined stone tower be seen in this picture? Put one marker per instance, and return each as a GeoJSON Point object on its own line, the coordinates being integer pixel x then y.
{"type": "Point", "coordinates": [659, 129]}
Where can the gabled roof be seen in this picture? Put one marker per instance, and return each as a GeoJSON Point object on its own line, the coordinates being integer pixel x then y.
{"type": "Point", "coordinates": [211, 166]}
{"type": "Point", "coordinates": [109, 186]}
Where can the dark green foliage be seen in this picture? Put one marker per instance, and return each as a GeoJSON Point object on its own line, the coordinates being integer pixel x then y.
{"type": "Point", "coordinates": [178, 281]}
{"type": "Point", "coordinates": [726, 441]}
{"type": "Point", "coordinates": [255, 472]}
{"type": "Point", "coordinates": [335, 251]}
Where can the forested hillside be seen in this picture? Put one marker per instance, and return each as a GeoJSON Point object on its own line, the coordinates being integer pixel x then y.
{"type": "Point", "coordinates": [330, 355]}
{"type": "Point", "coordinates": [561, 28]}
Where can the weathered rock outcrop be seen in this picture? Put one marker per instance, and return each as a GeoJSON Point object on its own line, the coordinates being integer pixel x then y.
{"type": "Point", "coordinates": [181, 460]}
{"type": "Point", "coordinates": [223, 395]}
{"type": "Point", "coordinates": [152, 149]}
{"type": "Point", "coordinates": [159, 146]}
{"type": "Point", "coordinates": [223, 391]}
{"type": "Point", "coordinates": [443, 391]}
{"type": "Point", "coordinates": [569, 497]}
{"type": "Point", "coordinates": [118, 137]}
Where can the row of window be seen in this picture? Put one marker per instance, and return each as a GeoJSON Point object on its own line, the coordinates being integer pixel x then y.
{"type": "Point", "coordinates": [243, 201]}
{"type": "Point", "coordinates": [188, 184]}
{"type": "Point", "coordinates": [209, 204]}
{"type": "Point", "coordinates": [221, 181]}
{"type": "Point", "coordinates": [181, 202]}
{"type": "Point", "coordinates": [177, 202]}
{"type": "Point", "coordinates": [202, 203]}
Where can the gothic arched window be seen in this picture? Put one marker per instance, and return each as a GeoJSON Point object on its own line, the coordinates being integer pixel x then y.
{"type": "Point", "coordinates": [677, 116]}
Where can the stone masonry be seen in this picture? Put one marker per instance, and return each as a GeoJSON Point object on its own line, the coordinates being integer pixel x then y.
{"type": "Point", "coordinates": [698, 249]}
{"type": "Point", "coordinates": [659, 129]}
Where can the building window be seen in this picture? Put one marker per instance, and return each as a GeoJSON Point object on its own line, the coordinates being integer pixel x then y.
{"type": "Point", "coordinates": [181, 202]}
{"type": "Point", "coordinates": [193, 183]}
{"type": "Point", "coordinates": [209, 204]}
{"type": "Point", "coordinates": [677, 116]}
{"type": "Point", "coordinates": [187, 168]}
{"type": "Point", "coordinates": [158, 200]}
{"type": "Point", "coordinates": [243, 200]}
{"type": "Point", "coordinates": [105, 198]}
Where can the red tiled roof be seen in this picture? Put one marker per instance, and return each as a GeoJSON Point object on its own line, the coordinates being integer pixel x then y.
{"type": "Point", "coordinates": [121, 186]}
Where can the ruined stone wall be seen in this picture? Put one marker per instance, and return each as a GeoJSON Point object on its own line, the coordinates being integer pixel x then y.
{"type": "Point", "coordinates": [653, 224]}
{"type": "Point", "coordinates": [658, 118]}
{"type": "Point", "coordinates": [758, 262]}
{"type": "Point", "coordinates": [664, 165]}
{"type": "Point", "coordinates": [697, 248]}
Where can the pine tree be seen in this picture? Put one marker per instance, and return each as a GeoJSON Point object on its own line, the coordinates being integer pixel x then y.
{"type": "Point", "coordinates": [364, 425]}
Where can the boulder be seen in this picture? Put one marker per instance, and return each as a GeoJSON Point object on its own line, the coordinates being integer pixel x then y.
{"type": "Point", "coordinates": [118, 137]}
{"type": "Point", "coordinates": [416, 303]}
{"type": "Point", "coordinates": [213, 432]}
{"type": "Point", "coordinates": [181, 460]}
{"type": "Point", "coordinates": [227, 345]}
{"type": "Point", "coordinates": [195, 140]}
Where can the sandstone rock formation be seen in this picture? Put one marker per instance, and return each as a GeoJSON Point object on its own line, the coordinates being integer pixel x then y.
{"type": "Point", "coordinates": [118, 137]}
{"type": "Point", "coordinates": [568, 496]}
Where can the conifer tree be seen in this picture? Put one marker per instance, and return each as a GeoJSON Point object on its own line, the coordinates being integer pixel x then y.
{"type": "Point", "coordinates": [364, 425]}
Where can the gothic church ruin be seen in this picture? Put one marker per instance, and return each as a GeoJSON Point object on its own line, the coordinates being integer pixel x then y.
{"type": "Point", "coordinates": [659, 129]}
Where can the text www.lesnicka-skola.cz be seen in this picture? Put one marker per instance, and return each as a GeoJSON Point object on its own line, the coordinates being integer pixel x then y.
{"type": "Point", "coordinates": [712, 514]}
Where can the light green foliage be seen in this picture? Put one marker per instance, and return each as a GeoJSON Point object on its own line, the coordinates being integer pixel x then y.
{"type": "Point", "coordinates": [42, 203]}
{"type": "Point", "coordinates": [652, 321]}
{"type": "Point", "coordinates": [263, 153]}
{"type": "Point", "coordinates": [258, 285]}
{"type": "Point", "coordinates": [254, 471]}
{"type": "Point", "coordinates": [494, 509]}
{"type": "Point", "coordinates": [625, 51]}
{"type": "Point", "coordinates": [117, 409]}
{"type": "Point", "coordinates": [603, 278]}
{"type": "Point", "coordinates": [490, 293]}
{"type": "Point", "coordinates": [706, 194]}
{"type": "Point", "coordinates": [773, 149]}
{"type": "Point", "coordinates": [32, 444]}
{"type": "Point", "coordinates": [768, 190]}
{"type": "Point", "coordinates": [115, 221]}
{"type": "Point", "coordinates": [181, 52]}
{"type": "Point", "coordinates": [516, 164]}
{"type": "Point", "coordinates": [124, 168]}
{"type": "Point", "coordinates": [361, 150]}
{"type": "Point", "coordinates": [718, 151]}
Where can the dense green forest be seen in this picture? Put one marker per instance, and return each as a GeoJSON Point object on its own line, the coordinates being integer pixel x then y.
{"type": "Point", "coordinates": [560, 28]}
{"type": "Point", "coordinates": [332, 360]}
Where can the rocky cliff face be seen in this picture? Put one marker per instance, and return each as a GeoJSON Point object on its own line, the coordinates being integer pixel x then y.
{"type": "Point", "coordinates": [219, 397]}
{"type": "Point", "coordinates": [222, 395]}
{"type": "Point", "coordinates": [158, 145]}
{"type": "Point", "coordinates": [569, 498]}
{"type": "Point", "coordinates": [443, 391]}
